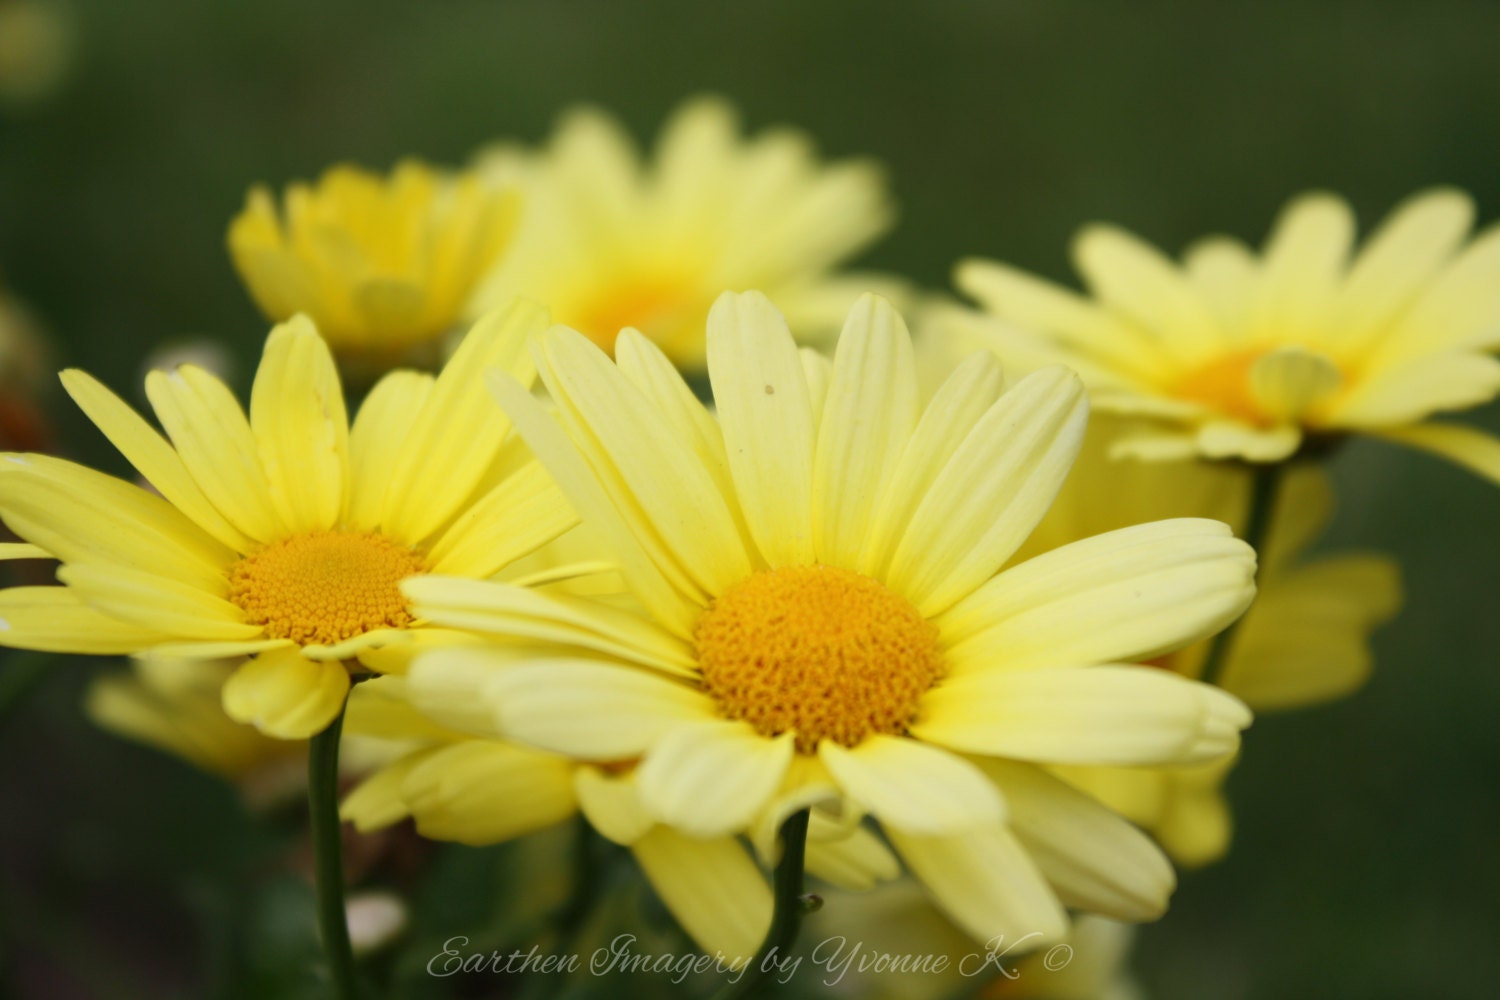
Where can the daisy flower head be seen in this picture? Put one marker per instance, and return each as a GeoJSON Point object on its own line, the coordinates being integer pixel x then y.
{"type": "Point", "coordinates": [1235, 354]}
{"type": "Point", "coordinates": [1305, 640]}
{"type": "Point", "coordinates": [828, 615]}
{"type": "Point", "coordinates": [384, 266]}
{"type": "Point", "coordinates": [281, 535]}
{"type": "Point", "coordinates": [609, 242]}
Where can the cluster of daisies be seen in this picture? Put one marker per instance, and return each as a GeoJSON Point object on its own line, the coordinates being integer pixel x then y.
{"type": "Point", "coordinates": [688, 536]}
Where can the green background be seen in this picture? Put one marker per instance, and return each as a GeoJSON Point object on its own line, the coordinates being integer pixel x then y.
{"type": "Point", "coordinates": [1365, 864]}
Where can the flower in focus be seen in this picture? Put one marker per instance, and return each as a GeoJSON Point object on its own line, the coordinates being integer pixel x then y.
{"type": "Point", "coordinates": [827, 617]}
{"type": "Point", "coordinates": [608, 242]}
{"type": "Point", "coordinates": [1239, 355]}
{"type": "Point", "coordinates": [1305, 640]}
{"type": "Point", "coordinates": [282, 537]}
{"type": "Point", "coordinates": [475, 787]}
{"type": "Point", "coordinates": [384, 266]}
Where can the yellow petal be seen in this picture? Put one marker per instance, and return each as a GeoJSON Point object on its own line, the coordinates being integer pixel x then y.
{"type": "Point", "coordinates": [1083, 715]}
{"type": "Point", "coordinates": [436, 469]}
{"type": "Point", "coordinates": [712, 887]}
{"type": "Point", "coordinates": [1129, 594]}
{"type": "Point", "coordinates": [986, 884]}
{"type": "Point", "coordinates": [1466, 446]}
{"type": "Point", "coordinates": [766, 414]}
{"type": "Point", "coordinates": [866, 423]}
{"type": "Point", "coordinates": [522, 513]}
{"type": "Point", "coordinates": [377, 802]}
{"type": "Point", "coordinates": [855, 860]}
{"type": "Point", "coordinates": [1303, 262]}
{"type": "Point", "coordinates": [481, 792]}
{"type": "Point", "coordinates": [612, 805]}
{"type": "Point", "coordinates": [214, 440]}
{"type": "Point", "coordinates": [1457, 310]}
{"type": "Point", "coordinates": [1093, 859]}
{"type": "Point", "coordinates": [1415, 389]}
{"type": "Point", "coordinates": [712, 778]}
{"type": "Point", "coordinates": [1231, 439]}
{"type": "Point", "coordinates": [56, 620]}
{"type": "Point", "coordinates": [301, 428]}
{"type": "Point", "coordinates": [507, 611]}
{"type": "Point", "coordinates": [1288, 382]}
{"type": "Point", "coordinates": [385, 418]}
{"type": "Point", "coordinates": [914, 787]}
{"type": "Point", "coordinates": [159, 603]}
{"type": "Point", "coordinates": [654, 477]}
{"type": "Point", "coordinates": [79, 515]}
{"type": "Point", "coordinates": [992, 492]}
{"type": "Point", "coordinates": [286, 696]}
{"type": "Point", "coordinates": [1135, 279]}
{"type": "Point", "coordinates": [22, 550]}
{"type": "Point", "coordinates": [151, 455]}
{"type": "Point", "coordinates": [1224, 272]}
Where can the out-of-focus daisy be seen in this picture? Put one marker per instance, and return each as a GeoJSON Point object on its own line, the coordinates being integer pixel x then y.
{"type": "Point", "coordinates": [1235, 354]}
{"type": "Point", "coordinates": [1305, 639]}
{"type": "Point", "coordinates": [475, 787]}
{"type": "Point", "coordinates": [826, 619]}
{"type": "Point", "coordinates": [383, 265]}
{"type": "Point", "coordinates": [608, 242]}
{"type": "Point", "coordinates": [283, 536]}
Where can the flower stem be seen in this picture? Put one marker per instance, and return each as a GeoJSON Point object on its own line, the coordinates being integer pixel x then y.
{"type": "Point", "coordinates": [1265, 482]}
{"type": "Point", "coordinates": [328, 855]}
{"type": "Point", "coordinates": [786, 918]}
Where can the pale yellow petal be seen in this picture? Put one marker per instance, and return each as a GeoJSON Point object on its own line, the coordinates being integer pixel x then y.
{"type": "Point", "coordinates": [914, 787]}
{"type": "Point", "coordinates": [713, 777]}
{"type": "Point", "coordinates": [612, 804]}
{"type": "Point", "coordinates": [819, 373]}
{"type": "Point", "coordinates": [385, 418]}
{"type": "Point", "coordinates": [591, 710]}
{"type": "Point", "coordinates": [987, 884]}
{"type": "Point", "coordinates": [482, 792]}
{"type": "Point", "coordinates": [286, 696]}
{"type": "Point", "coordinates": [1093, 859]}
{"type": "Point", "coordinates": [151, 455]}
{"type": "Point", "coordinates": [1135, 279]}
{"type": "Point", "coordinates": [515, 518]}
{"type": "Point", "coordinates": [1232, 439]}
{"type": "Point", "coordinates": [56, 620]}
{"type": "Point", "coordinates": [854, 860]}
{"type": "Point", "coordinates": [10, 551]}
{"type": "Point", "coordinates": [1225, 273]}
{"type": "Point", "coordinates": [992, 492]}
{"type": "Point", "coordinates": [79, 515]}
{"type": "Point", "coordinates": [1288, 382]}
{"type": "Point", "coordinates": [866, 423]}
{"type": "Point", "coordinates": [656, 480]}
{"type": "Point", "coordinates": [1128, 594]}
{"type": "Point", "coordinates": [213, 438]}
{"type": "Point", "coordinates": [1466, 446]}
{"type": "Point", "coordinates": [436, 469]}
{"type": "Point", "coordinates": [301, 428]}
{"type": "Point", "coordinates": [159, 603]}
{"type": "Point", "coordinates": [1083, 715]}
{"type": "Point", "coordinates": [213, 650]}
{"type": "Point", "coordinates": [1458, 309]}
{"type": "Point", "coordinates": [765, 411]}
{"type": "Point", "coordinates": [1415, 389]}
{"type": "Point", "coordinates": [712, 887]}
{"type": "Point", "coordinates": [1303, 263]}
{"type": "Point", "coordinates": [376, 802]}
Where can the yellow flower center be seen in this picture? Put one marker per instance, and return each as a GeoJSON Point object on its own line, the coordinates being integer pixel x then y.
{"type": "Point", "coordinates": [643, 303]}
{"type": "Point", "coordinates": [1224, 385]}
{"type": "Point", "coordinates": [824, 653]}
{"type": "Point", "coordinates": [324, 587]}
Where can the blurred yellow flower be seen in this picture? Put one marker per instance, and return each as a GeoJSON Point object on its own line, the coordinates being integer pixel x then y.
{"type": "Point", "coordinates": [608, 242]}
{"type": "Point", "coordinates": [1234, 355]}
{"type": "Point", "coordinates": [283, 536]}
{"type": "Point", "coordinates": [1305, 639]}
{"type": "Point", "coordinates": [824, 619]}
{"type": "Point", "coordinates": [384, 266]}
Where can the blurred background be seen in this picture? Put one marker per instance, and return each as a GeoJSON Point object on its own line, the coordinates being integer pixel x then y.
{"type": "Point", "coordinates": [1365, 861]}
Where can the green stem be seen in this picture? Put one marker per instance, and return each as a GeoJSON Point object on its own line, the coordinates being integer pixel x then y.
{"type": "Point", "coordinates": [1265, 480]}
{"type": "Point", "coordinates": [328, 855]}
{"type": "Point", "coordinates": [786, 919]}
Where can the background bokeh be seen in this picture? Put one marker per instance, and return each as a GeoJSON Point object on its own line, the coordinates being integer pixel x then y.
{"type": "Point", "coordinates": [1365, 864]}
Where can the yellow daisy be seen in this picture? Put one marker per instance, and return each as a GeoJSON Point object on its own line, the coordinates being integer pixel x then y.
{"type": "Point", "coordinates": [473, 786]}
{"type": "Point", "coordinates": [608, 242]}
{"type": "Point", "coordinates": [383, 265]}
{"type": "Point", "coordinates": [282, 536]}
{"type": "Point", "coordinates": [1305, 639]}
{"type": "Point", "coordinates": [828, 617]}
{"type": "Point", "coordinates": [1239, 355]}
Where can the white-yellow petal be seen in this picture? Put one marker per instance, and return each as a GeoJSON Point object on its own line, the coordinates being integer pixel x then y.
{"type": "Point", "coordinates": [713, 777]}
{"type": "Point", "coordinates": [55, 619]}
{"type": "Point", "coordinates": [482, 792]}
{"type": "Point", "coordinates": [712, 886]}
{"type": "Point", "coordinates": [286, 696]}
{"type": "Point", "coordinates": [912, 786]}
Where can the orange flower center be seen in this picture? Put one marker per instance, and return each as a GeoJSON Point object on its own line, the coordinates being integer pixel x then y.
{"type": "Point", "coordinates": [824, 653]}
{"type": "Point", "coordinates": [1224, 385]}
{"type": "Point", "coordinates": [323, 587]}
{"type": "Point", "coordinates": [644, 303]}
